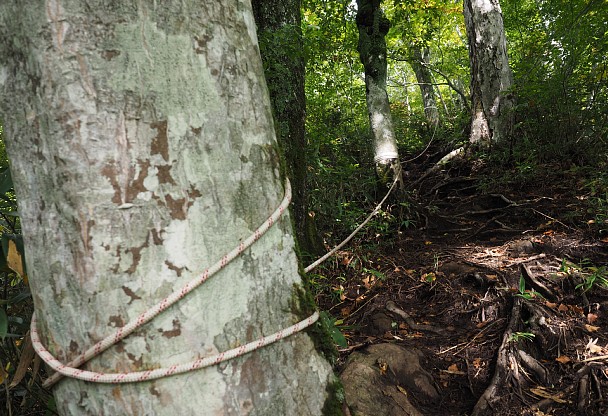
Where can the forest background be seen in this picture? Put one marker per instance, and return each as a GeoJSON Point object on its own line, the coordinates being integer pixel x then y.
{"type": "Point", "coordinates": [557, 53]}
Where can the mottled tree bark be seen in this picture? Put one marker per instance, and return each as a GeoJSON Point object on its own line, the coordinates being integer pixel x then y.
{"type": "Point", "coordinates": [491, 76]}
{"type": "Point", "coordinates": [282, 49]}
{"type": "Point", "coordinates": [142, 150]}
{"type": "Point", "coordinates": [373, 27]}
{"type": "Point", "coordinates": [420, 62]}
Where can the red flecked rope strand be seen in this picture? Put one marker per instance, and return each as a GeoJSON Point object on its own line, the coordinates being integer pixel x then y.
{"type": "Point", "coordinates": [70, 369]}
{"type": "Point", "coordinates": [116, 378]}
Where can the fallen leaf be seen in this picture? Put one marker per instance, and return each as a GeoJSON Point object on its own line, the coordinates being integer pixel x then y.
{"type": "Point", "coordinates": [383, 366]}
{"type": "Point", "coordinates": [477, 362]}
{"type": "Point", "coordinates": [27, 357]}
{"type": "Point", "coordinates": [591, 317]}
{"type": "Point", "coordinates": [541, 392]}
{"type": "Point", "coordinates": [13, 258]}
{"type": "Point", "coordinates": [428, 243]}
{"type": "Point", "coordinates": [563, 359]}
{"type": "Point", "coordinates": [592, 346]}
{"type": "Point", "coordinates": [562, 308]}
{"type": "Point", "coordinates": [551, 305]}
{"type": "Point", "coordinates": [428, 277]}
{"type": "Point", "coordinates": [591, 328]}
{"type": "Point", "coordinates": [401, 389]}
{"type": "Point", "coordinates": [577, 309]}
{"type": "Point", "coordinates": [453, 368]}
{"type": "Point", "coordinates": [366, 282]}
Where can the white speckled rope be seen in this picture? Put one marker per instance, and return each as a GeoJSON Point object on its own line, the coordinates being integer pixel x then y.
{"type": "Point", "coordinates": [70, 369]}
{"type": "Point", "coordinates": [137, 376]}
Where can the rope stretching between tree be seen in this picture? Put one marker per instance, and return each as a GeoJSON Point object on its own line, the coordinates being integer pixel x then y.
{"type": "Point", "coordinates": [71, 369]}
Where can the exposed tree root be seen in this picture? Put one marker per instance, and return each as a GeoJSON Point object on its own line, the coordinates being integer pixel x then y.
{"type": "Point", "coordinates": [503, 371]}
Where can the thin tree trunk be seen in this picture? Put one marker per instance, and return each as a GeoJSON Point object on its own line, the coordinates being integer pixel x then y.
{"type": "Point", "coordinates": [373, 27]}
{"type": "Point", "coordinates": [491, 76]}
{"type": "Point", "coordinates": [142, 150]}
{"type": "Point", "coordinates": [282, 49]}
{"type": "Point", "coordinates": [419, 62]}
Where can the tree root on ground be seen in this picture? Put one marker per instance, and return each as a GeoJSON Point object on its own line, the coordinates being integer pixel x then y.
{"type": "Point", "coordinates": [504, 371]}
{"type": "Point", "coordinates": [519, 369]}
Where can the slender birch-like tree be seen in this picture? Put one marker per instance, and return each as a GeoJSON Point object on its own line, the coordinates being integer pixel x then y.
{"type": "Point", "coordinates": [420, 61]}
{"type": "Point", "coordinates": [491, 76]}
{"type": "Point", "coordinates": [142, 150]}
{"type": "Point", "coordinates": [373, 27]}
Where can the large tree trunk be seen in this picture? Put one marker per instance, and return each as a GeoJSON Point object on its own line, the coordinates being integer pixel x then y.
{"type": "Point", "coordinates": [142, 150]}
{"type": "Point", "coordinates": [491, 76]}
{"type": "Point", "coordinates": [282, 49]}
{"type": "Point", "coordinates": [373, 27]}
{"type": "Point", "coordinates": [420, 64]}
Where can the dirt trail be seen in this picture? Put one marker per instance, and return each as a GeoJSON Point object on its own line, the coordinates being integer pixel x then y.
{"type": "Point", "coordinates": [499, 289]}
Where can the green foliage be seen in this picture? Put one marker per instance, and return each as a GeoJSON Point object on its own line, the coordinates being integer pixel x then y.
{"type": "Point", "coordinates": [527, 294]}
{"type": "Point", "coordinates": [587, 274]}
{"type": "Point", "coordinates": [332, 326]}
{"type": "Point", "coordinates": [521, 336]}
{"type": "Point", "coordinates": [557, 50]}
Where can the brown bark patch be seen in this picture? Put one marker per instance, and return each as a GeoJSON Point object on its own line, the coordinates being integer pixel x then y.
{"type": "Point", "coordinates": [164, 175]}
{"type": "Point", "coordinates": [160, 144]}
{"type": "Point", "coordinates": [137, 363]}
{"type": "Point", "coordinates": [130, 294]}
{"type": "Point", "coordinates": [133, 185]}
{"type": "Point", "coordinates": [179, 206]}
{"type": "Point", "coordinates": [136, 185]}
{"type": "Point", "coordinates": [178, 270]}
{"type": "Point", "coordinates": [136, 254]}
{"type": "Point", "coordinates": [156, 238]}
{"type": "Point", "coordinates": [116, 321]}
{"type": "Point", "coordinates": [109, 54]}
{"type": "Point", "coordinates": [175, 332]}
{"type": "Point", "coordinates": [109, 171]}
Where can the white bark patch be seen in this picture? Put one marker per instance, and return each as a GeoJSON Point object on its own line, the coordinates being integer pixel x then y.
{"type": "Point", "coordinates": [154, 62]}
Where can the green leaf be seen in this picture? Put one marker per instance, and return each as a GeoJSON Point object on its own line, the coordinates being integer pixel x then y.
{"type": "Point", "coordinates": [6, 181]}
{"type": "Point", "coordinates": [522, 284]}
{"type": "Point", "coordinates": [329, 323]}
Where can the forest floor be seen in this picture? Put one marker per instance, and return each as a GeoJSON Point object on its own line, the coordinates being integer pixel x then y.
{"type": "Point", "coordinates": [500, 286]}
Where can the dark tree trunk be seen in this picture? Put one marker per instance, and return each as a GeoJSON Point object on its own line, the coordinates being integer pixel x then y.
{"type": "Point", "coordinates": [281, 46]}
